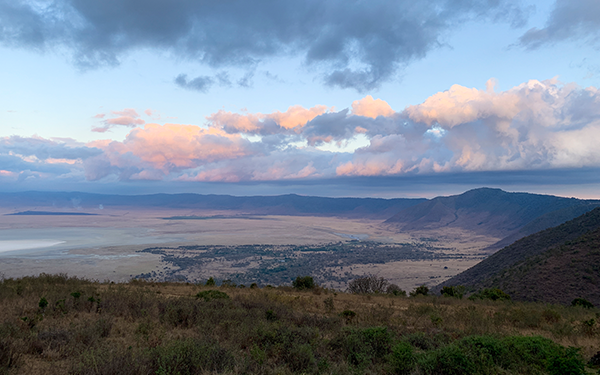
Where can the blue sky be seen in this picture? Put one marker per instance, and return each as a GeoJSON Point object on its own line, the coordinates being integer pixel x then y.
{"type": "Point", "coordinates": [379, 98]}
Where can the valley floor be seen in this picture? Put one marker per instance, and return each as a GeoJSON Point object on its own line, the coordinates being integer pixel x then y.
{"type": "Point", "coordinates": [108, 246]}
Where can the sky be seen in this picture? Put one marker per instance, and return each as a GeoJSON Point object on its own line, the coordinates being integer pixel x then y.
{"type": "Point", "coordinates": [315, 97]}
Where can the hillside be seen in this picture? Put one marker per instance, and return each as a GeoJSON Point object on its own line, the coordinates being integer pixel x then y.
{"type": "Point", "coordinates": [54, 324]}
{"type": "Point", "coordinates": [555, 265]}
{"type": "Point", "coordinates": [290, 204]}
{"type": "Point", "coordinates": [491, 211]}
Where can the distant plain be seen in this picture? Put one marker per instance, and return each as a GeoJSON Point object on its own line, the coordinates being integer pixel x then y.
{"type": "Point", "coordinates": [106, 246]}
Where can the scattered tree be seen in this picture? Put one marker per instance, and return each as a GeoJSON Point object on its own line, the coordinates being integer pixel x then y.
{"type": "Point", "coordinates": [582, 302]}
{"type": "Point", "coordinates": [368, 284]}
{"type": "Point", "coordinates": [302, 283]}
{"type": "Point", "coordinates": [453, 291]}
{"type": "Point", "coordinates": [422, 290]}
{"type": "Point", "coordinates": [210, 281]}
{"type": "Point", "coordinates": [395, 290]}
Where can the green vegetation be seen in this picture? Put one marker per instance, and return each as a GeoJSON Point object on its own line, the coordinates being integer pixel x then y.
{"type": "Point", "coordinates": [453, 291]}
{"type": "Point", "coordinates": [178, 328]}
{"type": "Point", "coordinates": [493, 294]}
{"type": "Point", "coordinates": [281, 264]}
{"type": "Point", "coordinates": [303, 283]}
{"type": "Point", "coordinates": [209, 295]}
{"type": "Point", "coordinates": [422, 290]}
{"type": "Point", "coordinates": [582, 302]}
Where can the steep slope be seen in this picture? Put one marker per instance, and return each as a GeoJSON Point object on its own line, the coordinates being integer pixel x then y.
{"type": "Point", "coordinates": [290, 204]}
{"type": "Point", "coordinates": [546, 221]}
{"type": "Point", "coordinates": [554, 265]}
{"type": "Point", "coordinates": [486, 211]}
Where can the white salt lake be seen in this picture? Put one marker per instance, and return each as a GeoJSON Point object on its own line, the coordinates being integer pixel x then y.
{"type": "Point", "coordinates": [12, 245]}
{"type": "Point", "coordinates": [55, 241]}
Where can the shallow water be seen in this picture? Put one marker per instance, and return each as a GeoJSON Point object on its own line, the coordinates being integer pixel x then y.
{"type": "Point", "coordinates": [12, 245]}
{"type": "Point", "coordinates": [53, 242]}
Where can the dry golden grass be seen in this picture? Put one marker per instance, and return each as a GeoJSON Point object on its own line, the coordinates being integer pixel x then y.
{"type": "Point", "coordinates": [139, 327]}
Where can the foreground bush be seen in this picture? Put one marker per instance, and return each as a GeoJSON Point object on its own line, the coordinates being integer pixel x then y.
{"type": "Point", "coordinates": [169, 328]}
{"type": "Point", "coordinates": [491, 294]}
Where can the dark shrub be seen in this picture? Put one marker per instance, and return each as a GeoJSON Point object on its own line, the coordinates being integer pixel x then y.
{"type": "Point", "coordinates": [453, 291]}
{"type": "Point", "coordinates": [361, 347]}
{"type": "Point", "coordinates": [420, 291]}
{"type": "Point", "coordinates": [395, 290]}
{"type": "Point", "coordinates": [179, 312]}
{"type": "Point", "coordinates": [569, 362]}
{"type": "Point", "coordinates": [348, 315]}
{"type": "Point", "coordinates": [302, 283]}
{"type": "Point", "coordinates": [271, 316]}
{"type": "Point", "coordinates": [582, 302]}
{"type": "Point", "coordinates": [494, 294]}
{"type": "Point", "coordinates": [43, 303]}
{"type": "Point", "coordinates": [368, 284]}
{"type": "Point", "coordinates": [595, 360]}
{"type": "Point", "coordinates": [402, 359]}
{"type": "Point", "coordinates": [210, 282]}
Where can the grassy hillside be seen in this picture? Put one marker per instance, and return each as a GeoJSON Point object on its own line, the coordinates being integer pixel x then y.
{"type": "Point", "coordinates": [554, 265]}
{"type": "Point", "coordinates": [60, 325]}
{"type": "Point", "coordinates": [488, 211]}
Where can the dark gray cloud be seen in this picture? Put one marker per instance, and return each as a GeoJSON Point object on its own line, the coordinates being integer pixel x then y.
{"type": "Point", "coordinates": [352, 43]}
{"type": "Point", "coordinates": [44, 149]}
{"type": "Point", "coordinates": [569, 20]}
{"type": "Point", "coordinates": [202, 83]}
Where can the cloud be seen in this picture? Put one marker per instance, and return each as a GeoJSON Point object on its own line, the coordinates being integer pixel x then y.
{"type": "Point", "coordinates": [24, 158]}
{"type": "Point", "coordinates": [201, 84]}
{"type": "Point", "coordinates": [164, 149]}
{"type": "Point", "coordinates": [349, 44]}
{"type": "Point", "coordinates": [369, 107]}
{"type": "Point", "coordinates": [276, 122]}
{"type": "Point", "coordinates": [42, 149]}
{"type": "Point", "coordinates": [569, 20]}
{"type": "Point", "coordinates": [535, 125]}
{"type": "Point", "coordinates": [127, 117]}
{"type": "Point", "coordinates": [538, 125]}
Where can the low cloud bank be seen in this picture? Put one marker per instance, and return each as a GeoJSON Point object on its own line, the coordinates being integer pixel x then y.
{"type": "Point", "coordinates": [538, 125]}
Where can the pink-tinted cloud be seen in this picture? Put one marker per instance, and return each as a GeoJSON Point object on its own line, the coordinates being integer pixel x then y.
{"type": "Point", "coordinates": [535, 125]}
{"type": "Point", "coordinates": [369, 107]}
{"type": "Point", "coordinates": [127, 117]}
{"type": "Point", "coordinates": [258, 123]}
{"type": "Point", "coordinates": [127, 112]}
{"type": "Point", "coordinates": [171, 148]}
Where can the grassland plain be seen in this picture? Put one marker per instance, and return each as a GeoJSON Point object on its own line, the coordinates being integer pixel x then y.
{"type": "Point", "coordinates": [54, 324]}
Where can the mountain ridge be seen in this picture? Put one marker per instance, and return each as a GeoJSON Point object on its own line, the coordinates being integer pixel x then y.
{"type": "Point", "coordinates": [490, 211]}
{"type": "Point", "coordinates": [530, 270]}
{"type": "Point", "coordinates": [289, 204]}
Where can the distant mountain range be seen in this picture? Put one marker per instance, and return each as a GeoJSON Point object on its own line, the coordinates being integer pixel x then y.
{"type": "Point", "coordinates": [492, 212]}
{"type": "Point", "coordinates": [555, 265]}
{"type": "Point", "coordinates": [290, 204]}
